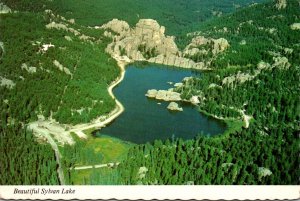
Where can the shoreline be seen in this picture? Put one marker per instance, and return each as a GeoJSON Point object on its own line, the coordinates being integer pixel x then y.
{"type": "Point", "coordinates": [62, 132]}
{"type": "Point", "coordinates": [113, 114]}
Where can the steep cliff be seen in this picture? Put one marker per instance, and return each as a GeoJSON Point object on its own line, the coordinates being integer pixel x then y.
{"type": "Point", "coordinates": [147, 42]}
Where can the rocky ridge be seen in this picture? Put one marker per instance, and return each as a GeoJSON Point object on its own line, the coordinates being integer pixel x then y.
{"type": "Point", "coordinates": [280, 62]}
{"type": "Point", "coordinates": [147, 42]}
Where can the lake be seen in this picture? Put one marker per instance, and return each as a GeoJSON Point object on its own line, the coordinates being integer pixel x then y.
{"type": "Point", "coordinates": [145, 119]}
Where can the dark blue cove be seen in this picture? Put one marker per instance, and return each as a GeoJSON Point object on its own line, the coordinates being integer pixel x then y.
{"type": "Point", "coordinates": [145, 120]}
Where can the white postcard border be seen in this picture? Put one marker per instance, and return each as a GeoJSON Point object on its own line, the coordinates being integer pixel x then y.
{"type": "Point", "coordinates": [151, 192]}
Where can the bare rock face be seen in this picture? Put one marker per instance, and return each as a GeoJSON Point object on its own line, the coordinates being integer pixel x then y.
{"type": "Point", "coordinates": [220, 45]}
{"type": "Point", "coordinates": [118, 26]}
{"type": "Point", "coordinates": [147, 39]}
{"type": "Point", "coordinates": [216, 45]}
{"type": "Point", "coordinates": [174, 106]}
{"type": "Point", "coordinates": [281, 4]}
{"type": "Point", "coordinates": [146, 42]}
{"type": "Point", "coordinates": [206, 48]}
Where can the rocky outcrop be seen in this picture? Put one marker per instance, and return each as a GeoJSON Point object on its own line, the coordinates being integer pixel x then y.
{"type": "Point", "coordinates": [174, 107]}
{"type": "Point", "coordinates": [146, 42]}
{"type": "Point", "coordinates": [7, 83]}
{"type": "Point", "coordinates": [29, 69]}
{"type": "Point", "coordinates": [1, 49]}
{"type": "Point", "coordinates": [178, 84]}
{"type": "Point", "coordinates": [204, 50]}
{"type": "Point", "coordinates": [281, 63]}
{"type": "Point", "coordinates": [239, 78]}
{"type": "Point", "coordinates": [142, 172]}
{"type": "Point", "coordinates": [281, 4]}
{"type": "Point", "coordinates": [45, 47]}
{"type": "Point", "coordinates": [65, 27]}
{"type": "Point", "coordinates": [163, 95]}
{"type": "Point", "coordinates": [194, 100]}
{"type": "Point", "coordinates": [295, 26]}
{"type": "Point", "coordinates": [62, 68]}
{"type": "Point", "coordinates": [263, 172]}
{"type": "Point", "coordinates": [4, 9]}
{"type": "Point", "coordinates": [68, 38]}
{"type": "Point", "coordinates": [214, 45]}
{"type": "Point", "coordinates": [263, 65]}
{"type": "Point", "coordinates": [117, 26]}
{"type": "Point", "coordinates": [220, 45]}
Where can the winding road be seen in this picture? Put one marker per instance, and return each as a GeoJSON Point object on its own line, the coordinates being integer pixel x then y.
{"type": "Point", "coordinates": [47, 129]}
{"type": "Point", "coordinates": [57, 156]}
{"type": "Point", "coordinates": [96, 166]}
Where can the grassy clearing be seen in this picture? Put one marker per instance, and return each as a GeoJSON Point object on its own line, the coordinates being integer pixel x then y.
{"type": "Point", "coordinates": [95, 151]}
{"type": "Point", "coordinates": [112, 149]}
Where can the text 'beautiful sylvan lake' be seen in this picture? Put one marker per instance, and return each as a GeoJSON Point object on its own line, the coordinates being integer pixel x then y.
{"type": "Point", "coordinates": [144, 119]}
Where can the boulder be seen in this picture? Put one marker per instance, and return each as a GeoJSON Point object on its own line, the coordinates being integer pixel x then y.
{"type": "Point", "coordinates": [194, 100]}
{"type": "Point", "coordinates": [174, 107]}
{"type": "Point", "coordinates": [166, 95]}
{"type": "Point", "coordinates": [179, 84]}
{"type": "Point", "coordinates": [151, 93]}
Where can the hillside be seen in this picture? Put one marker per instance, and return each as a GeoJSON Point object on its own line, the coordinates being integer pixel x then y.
{"type": "Point", "coordinates": [178, 16]}
{"type": "Point", "coordinates": [50, 67]}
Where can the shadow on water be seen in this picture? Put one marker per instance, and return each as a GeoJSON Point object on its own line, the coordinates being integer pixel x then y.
{"type": "Point", "coordinates": [145, 120]}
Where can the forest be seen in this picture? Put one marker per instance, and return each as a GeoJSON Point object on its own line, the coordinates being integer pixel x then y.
{"type": "Point", "coordinates": [243, 157]}
{"type": "Point", "coordinates": [23, 160]}
{"type": "Point", "coordinates": [58, 68]}
{"type": "Point", "coordinates": [56, 73]}
{"type": "Point", "coordinates": [178, 16]}
{"type": "Point", "coordinates": [266, 152]}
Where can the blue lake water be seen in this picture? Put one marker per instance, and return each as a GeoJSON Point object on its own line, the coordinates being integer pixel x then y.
{"type": "Point", "coordinates": [145, 119]}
